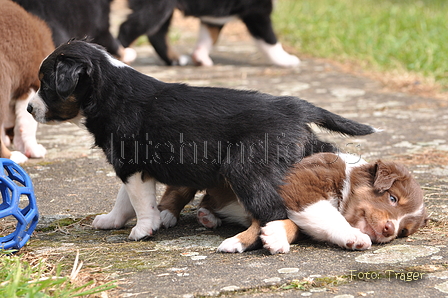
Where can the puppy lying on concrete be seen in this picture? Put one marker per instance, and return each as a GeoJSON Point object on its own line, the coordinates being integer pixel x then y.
{"type": "Point", "coordinates": [329, 198]}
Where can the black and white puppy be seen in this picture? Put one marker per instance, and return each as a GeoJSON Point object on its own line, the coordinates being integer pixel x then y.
{"type": "Point", "coordinates": [69, 19]}
{"type": "Point", "coordinates": [153, 18]}
{"type": "Point", "coordinates": [179, 135]}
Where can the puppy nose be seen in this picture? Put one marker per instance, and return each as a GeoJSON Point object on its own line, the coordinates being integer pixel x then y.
{"type": "Point", "coordinates": [389, 229]}
{"type": "Point", "coordinates": [30, 109]}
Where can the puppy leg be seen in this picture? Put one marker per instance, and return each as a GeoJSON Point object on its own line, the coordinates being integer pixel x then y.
{"type": "Point", "coordinates": [159, 41]}
{"type": "Point", "coordinates": [243, 241]}
{"type": "Point", "coordinates": [260, 27]}
{"type": "Point", "coordinates": [120, 214]}
{"type": "Point", "coordinates": [25, 129]}
{"type": "Point", "coordinates": [206, 212]}
{"type": "Point", "coordinates": [208, 36]}
{"type": "Point", "coordinates": [173, 201]}
{"type": "Point", "coordinates": [142, 195]}
{"type": "Point", "coordinates": [324, 222]}
{"type": "Point", "coordinates": [277, 235]}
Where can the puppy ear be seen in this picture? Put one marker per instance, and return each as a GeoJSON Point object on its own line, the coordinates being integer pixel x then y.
{"type": "Point", "coordinates": [67, 75]}
{"type": "Point", "coordinates": [384, 177]}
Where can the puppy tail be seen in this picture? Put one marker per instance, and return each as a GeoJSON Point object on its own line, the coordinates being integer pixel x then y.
{"type": "Point", "coordinates": [336, 123]}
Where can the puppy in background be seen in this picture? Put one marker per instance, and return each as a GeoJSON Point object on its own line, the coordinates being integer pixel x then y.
{"type": "Point", "coordinates": [153, 18]}
{"type": "Point", "coordinates": [69, 19]}
{"type": "Point", "coordinates": [25, 41]}
{"type": "Point", "coordinates": [331, 198]}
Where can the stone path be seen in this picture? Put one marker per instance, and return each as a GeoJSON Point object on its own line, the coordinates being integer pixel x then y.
{"type": "Point", "coordinates": [74, 182]}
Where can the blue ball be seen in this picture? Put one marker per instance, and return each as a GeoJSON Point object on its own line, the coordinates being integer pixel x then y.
{"type": "Point", "coordinates": [17, 203]}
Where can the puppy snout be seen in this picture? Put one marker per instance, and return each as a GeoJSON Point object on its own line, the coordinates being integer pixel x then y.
{"type": "Point", "coordinates": [388, 229]}
{"type": "Point", "coordinates": [30, 109]}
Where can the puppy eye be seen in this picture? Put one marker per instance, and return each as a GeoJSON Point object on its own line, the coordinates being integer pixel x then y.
{"type": "Point", "coordinates": [393, 200]}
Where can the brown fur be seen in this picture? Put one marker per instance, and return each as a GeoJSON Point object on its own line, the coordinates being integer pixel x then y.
{"type": "Point", "coordinates": [25, 41]}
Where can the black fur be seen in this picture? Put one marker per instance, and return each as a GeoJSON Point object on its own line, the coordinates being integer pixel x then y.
{"type": "Point", "coordinates": [69, 19]}
{"type": "Point", "coordinates": [153, 17]}
{"type": "Point", "coordinates": [183, 135]}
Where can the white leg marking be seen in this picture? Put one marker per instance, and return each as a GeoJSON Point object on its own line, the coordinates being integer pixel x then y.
{"type": "Point", "coordinates": [18, 157]}
{"type": "Point", "coordinates": [208, 219]}
{"type": "Point", "coordinates": [277, 55]}
{"type": "Point", "coordinates": [25, 130]}
{"type": "Point", "coordinates": [142, 195]}
{"type": "Point", "coordinates": [129, 55]}
{"type": "Point", "coordinates": [120, 214]}
{"type": "Point", "coordinates": [324, 222]}
{"type": "Point", "coordinates": [168, 219]}
{"type": "Point", "coordinates": [232, 244]}
{"type": "Point", "coordinates": [201, 53]}
{"type": "Point", "coordinates": [274, 237]}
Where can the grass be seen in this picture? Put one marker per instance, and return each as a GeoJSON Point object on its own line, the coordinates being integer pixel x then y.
{"type": "Point", "coordinates": [381, 35]}
{"type": "Point", "coordinates": [25, 276]}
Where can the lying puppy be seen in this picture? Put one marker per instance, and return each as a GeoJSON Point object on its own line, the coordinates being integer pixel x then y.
{"type": "Point", "coordinates": [78, 19]}
{"type": "Point", "coordinates": [25, 41]}
{"type": "Point", "coordinates": [179, 135]}
{"type": "Point", "coordinates": [153, 18]}
{"type": "Point", "coordinates": [330, 197]}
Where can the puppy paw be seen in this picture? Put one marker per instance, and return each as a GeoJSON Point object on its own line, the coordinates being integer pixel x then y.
{"type": "Point", "coordinates": [168, 219]}
{"type": "Point", "coordinates": [18, 157]}
{"type": "Point", "coordinates": [145, 228]}
{"type": "Point", "coordinates": [356, 240]}
{"type": "Point", "coordinates": [129, 55]}
{"type": "Point", "coordinates": [108, 222]}
{"type": "Point", "coordinates": [274, 237]}
{"type": "Point", "coordinates": [232, 244]}
{"type": "Point", "coordinates": [208, 219]}
{"type": "Point", "coordinates": [37, 151]}
{"type": "Point", "coordinates": [201, 57]}
{"type": "Point", "coordinates": [288, 61]}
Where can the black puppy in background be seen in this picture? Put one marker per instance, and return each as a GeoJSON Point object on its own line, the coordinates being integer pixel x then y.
{"type": "Point", "coordinates": [179, 135]}
{"type": "Point", "coordinates": [153, 18]}
{"type": "Point", "coordinates": [69, 19]}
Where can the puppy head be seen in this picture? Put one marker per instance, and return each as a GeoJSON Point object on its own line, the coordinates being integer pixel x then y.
{"type": "Point", "coordinates": [385, 201]}
{"type": "Point", "coordinates": [66, 78]}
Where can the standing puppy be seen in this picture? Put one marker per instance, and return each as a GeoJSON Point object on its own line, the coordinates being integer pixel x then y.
{"type": "Point", "coordinates": [25, 41]}
{"type": "Point", "coordinates": [179, 135]}
{"type": "Point", "coordinates": [153, 18]}
{"type": "Point", "coordinates": [69, 19]}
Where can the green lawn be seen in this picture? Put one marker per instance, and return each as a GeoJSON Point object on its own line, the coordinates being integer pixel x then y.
{"type": "Point", "coordinates": [383, 35]}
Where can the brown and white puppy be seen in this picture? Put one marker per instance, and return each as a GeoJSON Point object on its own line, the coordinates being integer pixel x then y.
{"type": "Point", "coordinates": [25, 41]}
{"type": "Point", "coordinates": [330, 197]}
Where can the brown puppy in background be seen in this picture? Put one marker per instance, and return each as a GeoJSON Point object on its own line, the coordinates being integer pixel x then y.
{"type": "Point", "coordinates": [328, 197]}
{"type": "Point", "coordinates": [25, 41]}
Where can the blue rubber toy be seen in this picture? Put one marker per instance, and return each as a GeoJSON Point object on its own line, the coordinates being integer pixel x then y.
{"type": "Point", "coordinates": [17, 203]}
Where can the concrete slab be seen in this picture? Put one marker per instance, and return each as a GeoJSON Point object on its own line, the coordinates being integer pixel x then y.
{"type": "Point", "coordinates": [74, 182]}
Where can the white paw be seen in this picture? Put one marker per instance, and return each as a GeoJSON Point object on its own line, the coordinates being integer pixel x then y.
{"type": "Point", "coordinates": [129, 55]}
{"type": "Point", "coordinates": [287, 60]}
{"type": "Point", "coordinates": [232, 244]}
{"type": "Point", "coordinates": [355, 240]}
{"type": "Point", "coordinates": [145, 228]}
{"type": "Point", "coordinates": [274, 237]}
{"type": "Point", "coordinates": [201, 57]}
{"type": "Point", "coordinates": [168, 219]}
{"type": "Point", "coordinates": [18, 157]}
{"type": "Point", "coordinates": [108, 222]}
{"type": "Point", "coordinates": [37, 151]}
{"type": "Point", "coordinates": [184, 60]}
{"type": "Point", "coordinates": [208, 219]}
